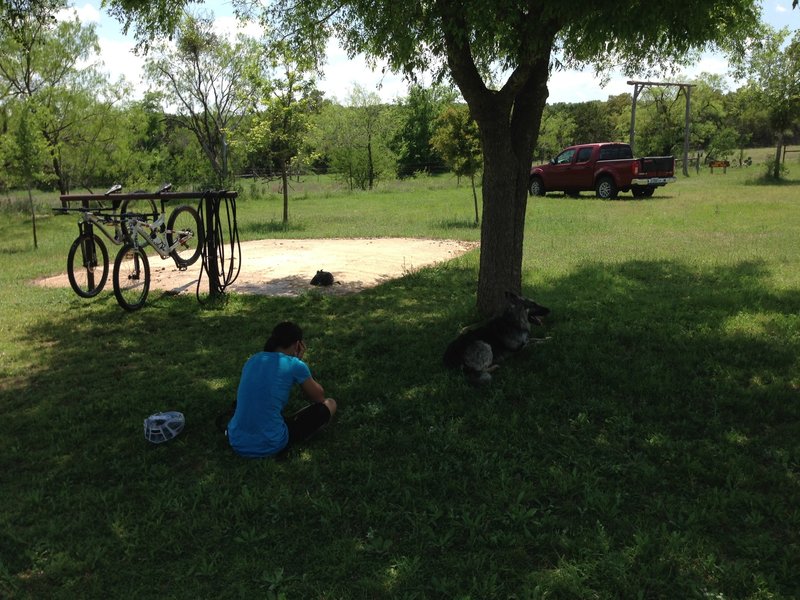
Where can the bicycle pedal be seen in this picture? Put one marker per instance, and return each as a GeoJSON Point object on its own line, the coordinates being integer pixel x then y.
{"type": "Point", "coordinates": [183, 268]}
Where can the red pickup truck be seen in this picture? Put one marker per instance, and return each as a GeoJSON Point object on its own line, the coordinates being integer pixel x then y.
{"type": "Point", "coordinates": [607, 168]}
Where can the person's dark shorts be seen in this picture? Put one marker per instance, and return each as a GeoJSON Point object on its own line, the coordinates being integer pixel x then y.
{"type": "Point", "coordinates": [306, 422]}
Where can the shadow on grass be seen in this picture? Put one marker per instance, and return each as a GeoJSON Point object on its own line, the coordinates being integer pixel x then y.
{"type": "Point", "coordinates": [267, 227]}
{"type": "Point", "coordinates": [458, 224]}
{"type": "Point", "coordinates": [648, 449]}
{"type": "Point", "coordinates": [16, 249]}
{"type": "Point", "coordinates": [770, 181]}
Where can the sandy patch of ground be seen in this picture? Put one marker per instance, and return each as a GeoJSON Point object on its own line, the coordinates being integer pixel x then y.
{"type": "Point", "coordinates": [285, 267]}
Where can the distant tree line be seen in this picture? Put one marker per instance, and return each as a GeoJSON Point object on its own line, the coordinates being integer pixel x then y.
{"type": "Point", "coordinates": [218, 109]}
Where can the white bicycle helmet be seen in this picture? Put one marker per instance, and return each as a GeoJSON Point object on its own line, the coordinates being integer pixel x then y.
{"type": "Point", "coordinates": [162, 427]}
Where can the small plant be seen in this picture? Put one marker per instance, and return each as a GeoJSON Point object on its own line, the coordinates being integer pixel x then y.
{"type": "Point", "coordinates": [772, 166]}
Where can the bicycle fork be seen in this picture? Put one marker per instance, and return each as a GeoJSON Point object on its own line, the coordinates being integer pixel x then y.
{"type": "Point", "coordinates": [88, 251]}
{"type": "Point", "coordinates": [134, 275]}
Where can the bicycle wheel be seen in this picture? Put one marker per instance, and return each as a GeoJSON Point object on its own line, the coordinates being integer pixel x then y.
{"type": "Point", "coordinates": [183, 228]}
{"type": "Point", "coordinates": [131, 277]}
{"type": "Point", "coordinates": [87, 265]}
{"type": "Point", "coordinates": [140, 206]}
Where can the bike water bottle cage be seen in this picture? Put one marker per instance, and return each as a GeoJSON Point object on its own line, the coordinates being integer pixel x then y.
{"type": "Point", "coordinates": [162, 427]}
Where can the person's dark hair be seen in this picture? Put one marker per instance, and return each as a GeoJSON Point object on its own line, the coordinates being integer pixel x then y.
{"type": "Point", "coordinates": [284, 335]}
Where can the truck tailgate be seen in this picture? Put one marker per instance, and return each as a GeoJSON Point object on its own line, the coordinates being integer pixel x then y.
{"type": "Point", "coordinates": [655, 166]}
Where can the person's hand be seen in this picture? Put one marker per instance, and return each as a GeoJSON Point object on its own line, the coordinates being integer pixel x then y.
{"type": "Point", "coordinates": [301, 349]}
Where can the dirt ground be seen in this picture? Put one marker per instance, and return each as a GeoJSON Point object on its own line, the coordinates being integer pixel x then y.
{"type": "Point", "coordinates": [285, 267]}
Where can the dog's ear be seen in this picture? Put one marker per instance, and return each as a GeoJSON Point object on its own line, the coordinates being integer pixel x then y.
{"type": "Point", "coordinates": [538, 309]}
{"type": "Point", "coordinates": [534, 307]}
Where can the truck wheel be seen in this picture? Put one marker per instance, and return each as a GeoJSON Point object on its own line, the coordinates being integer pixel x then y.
{"type": "Point", "coordinates": [537, 187]}
{"type": "Point", "coordinates": [642, 192]}
{"type": "Point", "coordinates": [606, 188]}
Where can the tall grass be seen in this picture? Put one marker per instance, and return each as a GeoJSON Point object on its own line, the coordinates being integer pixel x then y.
{"type": "Point", "coordinates": [649, 449]}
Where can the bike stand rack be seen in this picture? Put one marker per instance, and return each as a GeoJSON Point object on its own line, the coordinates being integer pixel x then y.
{"type": "Point", "coordinates": [211, 200]}
{"type": "Point", "coordinates": [208, 205]}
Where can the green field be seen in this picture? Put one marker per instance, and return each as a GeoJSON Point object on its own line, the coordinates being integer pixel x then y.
{"type": "Point", "coordinates": [649, 449]}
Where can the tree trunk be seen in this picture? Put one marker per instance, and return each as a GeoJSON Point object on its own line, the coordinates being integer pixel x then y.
{"type": "Point", "coordinates": [63, 188]}
{"type": "Point", "coordinates": [508, 120]}
{"type": "Point", "coordinates": [33, 217]}
{"type": "Point", "coordinates": [508, 132]}
{"type": "Point", "coordinates": [475, 198]}
{"type": "Point", "coordinates": [223, 175]}
{"type": "Point", "coordinates": [370, 168]}
{"type": "Point", "coordinates": [776, 168]}
{"type": "Point", "coordinates": [506, 171]}
{"type": "Point", "coordinates": [503, 227]}
{"type": "Point", "coordinates": [285, 181]}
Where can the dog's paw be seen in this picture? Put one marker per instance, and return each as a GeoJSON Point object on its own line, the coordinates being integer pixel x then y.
{"type": "Point", "coordinates": [479, 379]}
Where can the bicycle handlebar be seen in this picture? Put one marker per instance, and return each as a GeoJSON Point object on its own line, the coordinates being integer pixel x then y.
{"type": "Point", "coordinates": [65, 210]}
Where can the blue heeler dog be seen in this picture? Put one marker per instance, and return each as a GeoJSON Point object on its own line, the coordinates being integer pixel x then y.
{"type": "Point", "coordinates": [479, 348]}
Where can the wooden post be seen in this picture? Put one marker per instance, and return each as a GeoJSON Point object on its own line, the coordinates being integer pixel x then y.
{"type": "Point", "coordinates": [637, 87]}
{"type": "Point", "coordinates": [632, 134]}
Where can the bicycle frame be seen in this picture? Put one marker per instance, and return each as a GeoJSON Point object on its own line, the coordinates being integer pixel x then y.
{"type": "Point", "coordinates": [150, 232]}
{"type": "Point", "coordinates": [89, 220]}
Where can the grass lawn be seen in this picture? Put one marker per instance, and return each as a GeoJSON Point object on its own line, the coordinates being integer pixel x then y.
{"type": "Point", "coordinates": [650, 449]}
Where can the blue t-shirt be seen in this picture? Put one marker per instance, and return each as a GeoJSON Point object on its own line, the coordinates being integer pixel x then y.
{"type": "Point", "coordinates": [257, 427]}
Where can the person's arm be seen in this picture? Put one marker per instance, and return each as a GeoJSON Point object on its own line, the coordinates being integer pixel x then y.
{"type": "Point", "coordinates": [313, 390]}
{"type": "Point", "coordinates": [310, 387]}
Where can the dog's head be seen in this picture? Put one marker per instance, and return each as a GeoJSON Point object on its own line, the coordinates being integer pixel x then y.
{"type": "Point", "coordinates": [516, 312]}
{"type": "Point", "coordinates": [534, 311]}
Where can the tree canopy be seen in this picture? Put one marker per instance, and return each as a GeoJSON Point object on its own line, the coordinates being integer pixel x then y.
{"type": "Point", "coordinates": [203, 77]}
{"type": "Point", "coordinates": [772, 62]}
{"type": "Point", "coordinates": [45, 65]}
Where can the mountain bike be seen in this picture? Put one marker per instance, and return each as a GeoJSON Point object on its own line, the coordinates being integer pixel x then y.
{"type": "Point", "coordinates": [181, 239]}
{"type": "Point", "coordinates": [87, 259]}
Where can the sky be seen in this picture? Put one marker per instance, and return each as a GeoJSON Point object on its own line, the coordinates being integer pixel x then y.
{"type": "Point", "coordinates": [341, 73]}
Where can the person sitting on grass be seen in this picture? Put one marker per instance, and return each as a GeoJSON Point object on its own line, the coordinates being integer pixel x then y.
{"type": "Point", "coordinates": [258, 427]}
